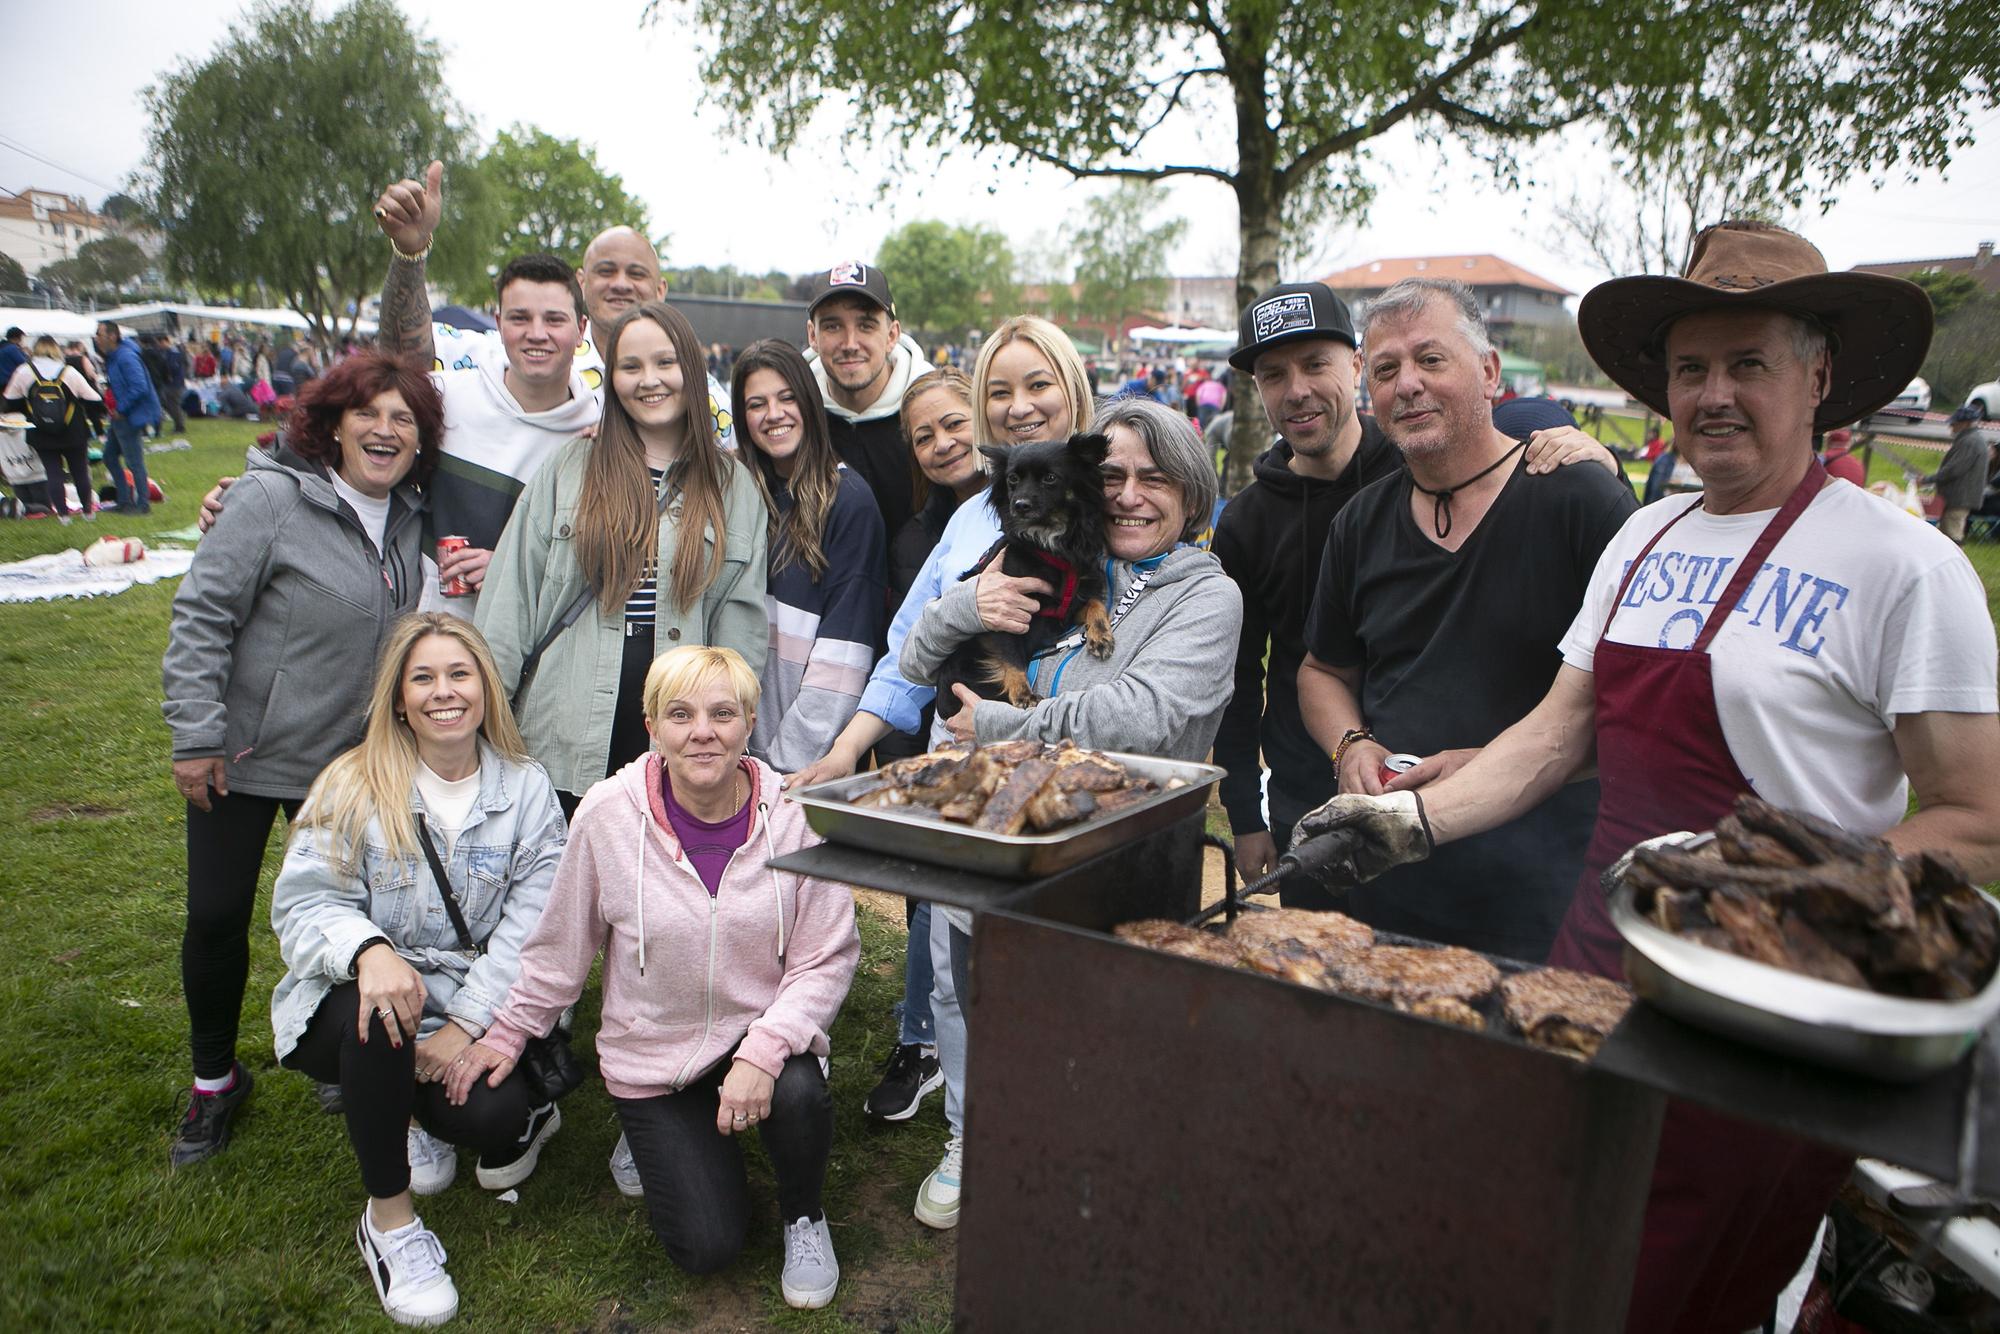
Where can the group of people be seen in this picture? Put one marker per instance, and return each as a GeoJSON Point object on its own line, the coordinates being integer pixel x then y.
{"type": "Point", "coordinates": [663, 603]}
{"type": "Point", "coordinates": [66, 400]}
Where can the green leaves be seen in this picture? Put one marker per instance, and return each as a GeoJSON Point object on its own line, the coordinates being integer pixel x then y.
{"type": "Point", "coordinates": [947, 279]}
{"type": "Point", "coordinates": [1121, 258]}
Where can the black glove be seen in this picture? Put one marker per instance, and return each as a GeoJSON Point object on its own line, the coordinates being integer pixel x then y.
{"type": "Point", "coordinates": [1382, 832]}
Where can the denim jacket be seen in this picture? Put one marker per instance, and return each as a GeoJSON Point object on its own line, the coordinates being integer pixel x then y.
{"type": "Point", "coordinates": [500, 870]}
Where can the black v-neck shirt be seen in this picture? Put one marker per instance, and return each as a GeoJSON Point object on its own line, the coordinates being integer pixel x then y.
{"type": "Point", "coordinates": [1454, 648]}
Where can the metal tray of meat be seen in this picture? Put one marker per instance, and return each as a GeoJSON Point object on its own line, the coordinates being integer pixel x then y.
{"type": "Point", "coordinates": [1865, 1032]}
{"type": "Point", "coordinates": [897, 832]}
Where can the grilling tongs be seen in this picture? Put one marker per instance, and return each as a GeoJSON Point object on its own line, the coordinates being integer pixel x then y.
{"type": "Point", "coordinates": [1329, 852]}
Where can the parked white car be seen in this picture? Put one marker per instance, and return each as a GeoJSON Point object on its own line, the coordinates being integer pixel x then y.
{"type": "Point", "coordinates": [1916, 398]}
{"type": "Point", "coordinates": [1985, 397]}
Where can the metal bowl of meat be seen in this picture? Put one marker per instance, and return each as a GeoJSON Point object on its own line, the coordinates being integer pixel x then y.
{"type": "Point", "coordinates": [1018, 809]}
{"type": "Point", "coordinates": [1818, 944]}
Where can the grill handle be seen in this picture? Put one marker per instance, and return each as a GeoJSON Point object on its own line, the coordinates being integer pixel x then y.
{"type": "Point", "coordinates": [1326, 852]}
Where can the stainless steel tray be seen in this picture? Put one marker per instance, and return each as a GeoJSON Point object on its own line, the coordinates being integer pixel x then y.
{"type": "Point", "coordinates": [1885, 1037]}
{"type": "Point", "coordinates": [1016, 856]}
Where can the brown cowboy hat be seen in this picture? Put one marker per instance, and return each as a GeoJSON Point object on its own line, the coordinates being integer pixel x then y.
{"type": "Point", "coordinates": [1878, 328]}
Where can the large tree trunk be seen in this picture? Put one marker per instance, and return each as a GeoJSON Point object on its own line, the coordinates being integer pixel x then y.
{"type": "Point", "coordinates": [1258, 211]}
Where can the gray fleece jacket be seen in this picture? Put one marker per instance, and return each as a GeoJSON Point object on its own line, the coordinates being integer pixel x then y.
{"type": "Point", "coordinates": [277, 626]}
{"type": "Point", "coordinates": [1161, 692]}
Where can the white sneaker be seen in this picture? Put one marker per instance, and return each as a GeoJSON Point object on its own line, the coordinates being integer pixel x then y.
{"type": "Point", "coordinates": [811, 1272]}
{"type": "Point", "coordinates": [407, 1266]}
{"type": "Point", "coordinates": [624, 1171]}
{"type": "Point", "coordinates": [433, 1163]}
{"type": "Point", "coordinates": [543, 1122]}
{"type": "Point", "coordinates": [937, 1198]}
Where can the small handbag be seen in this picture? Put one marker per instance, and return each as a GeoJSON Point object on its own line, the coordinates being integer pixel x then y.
{"type": "Point", "coordinates": [548, 1066]}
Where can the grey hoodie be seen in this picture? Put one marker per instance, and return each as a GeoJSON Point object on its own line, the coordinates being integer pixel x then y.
{"type": "Point", "coordinates": [278, 624]}
{"type": "Point", "coordinates": [1161, 692]}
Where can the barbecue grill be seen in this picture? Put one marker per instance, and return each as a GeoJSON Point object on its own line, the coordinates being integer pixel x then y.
{"type": "Point", "coordinates": [1156, 1142]}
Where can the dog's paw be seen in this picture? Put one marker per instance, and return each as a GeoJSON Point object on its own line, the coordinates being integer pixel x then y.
{"type": "Point", "coordinates": [1014, 685]}
{"type": "Point", "coordinates": [1097, 629]}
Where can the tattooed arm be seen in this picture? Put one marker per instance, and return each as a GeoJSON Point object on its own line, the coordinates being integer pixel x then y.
{"type": "Point", "coordinates": [408, 214]}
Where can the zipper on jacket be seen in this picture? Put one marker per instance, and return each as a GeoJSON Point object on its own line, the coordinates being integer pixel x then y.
{"type": "Point", "coordinates": [708, 991]}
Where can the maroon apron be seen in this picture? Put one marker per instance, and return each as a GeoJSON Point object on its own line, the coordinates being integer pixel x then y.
{"type": "Point", "coordinates": [1733, 1207]}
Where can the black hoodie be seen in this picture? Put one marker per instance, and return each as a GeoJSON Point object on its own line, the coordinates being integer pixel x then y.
{"type": "Point", "coordinates": [1270, 539]}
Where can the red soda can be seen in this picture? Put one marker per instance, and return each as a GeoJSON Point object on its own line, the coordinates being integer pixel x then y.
{"type": "Point", "coordinates": [455, 587]}
{"type": "Point", "coordinates": [1398, 763]}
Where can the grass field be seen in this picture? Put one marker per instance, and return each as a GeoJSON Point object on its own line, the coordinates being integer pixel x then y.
{"type": "Point", "coordinates": [93, 1056]}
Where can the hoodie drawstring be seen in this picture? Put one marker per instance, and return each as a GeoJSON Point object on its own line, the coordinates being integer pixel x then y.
{"type": "Point", "coordinates": [644, 816]}
{"type": "Point", "coordinates": [777, 894]}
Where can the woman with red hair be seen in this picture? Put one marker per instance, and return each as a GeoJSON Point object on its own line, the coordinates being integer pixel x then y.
{"type": "Point", "coordinates": [275, 635]}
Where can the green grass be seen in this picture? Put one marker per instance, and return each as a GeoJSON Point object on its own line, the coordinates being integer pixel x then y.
{"type": "Point", "coordinates": [93, 1057]}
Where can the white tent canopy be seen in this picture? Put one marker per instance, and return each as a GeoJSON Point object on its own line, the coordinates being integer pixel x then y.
{"type": "Point", "coordinates": [284, 319]}
{"type": "Point", "coordinates": [1146, 333]}
{"type": "Point", "coordinates": [62, 325]}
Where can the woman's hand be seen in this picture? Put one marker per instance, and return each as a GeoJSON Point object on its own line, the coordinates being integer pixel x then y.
{"type": "Point", "coordinates": [391, 988]}
{"type": "Point", "coordinates": [960, 723]}
{"type": "Point", "coordinates": [194, 778]}
{"type": "Point", "coordinates": [436, 1052]}
{"type": "Point", "coordinates": [745, 1098]}
{"type": "Point", "coordinates": [1007, 605]}
{"type": "Point", "coordinates": [1555, 447]}
{"type": "Point", "coordinates": [469, 1065]}
{"type": "Point", "coordinates": [1430, 769]}
{"type": "Point", "coordinates": [836, 763]}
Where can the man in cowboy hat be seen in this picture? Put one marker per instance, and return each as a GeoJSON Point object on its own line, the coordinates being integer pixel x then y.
{"type": "Point", "coordinates": [1781, 634]}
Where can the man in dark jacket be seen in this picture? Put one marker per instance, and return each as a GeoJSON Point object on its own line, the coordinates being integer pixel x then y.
{"type": "Point", "coordinates": [1297, 340]}
{"type": "Point", "coordinates": [865, 364]}
{"type": "Point", "coordinates": [1961, 478]}
{"type": "Point", "coordinates": [13, 353]}
{"type": "Point", "coordinates": [167, 365]}
{"type": "Point", "coordinates": [137, 407]}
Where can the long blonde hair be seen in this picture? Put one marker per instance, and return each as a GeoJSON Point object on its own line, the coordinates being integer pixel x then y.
{"type": "Point", "coordinates": [373, 780]}
{"type": "Point", "coordinates": [617, 523]}
{"type": "Point", "coordinates": [1052, 343]}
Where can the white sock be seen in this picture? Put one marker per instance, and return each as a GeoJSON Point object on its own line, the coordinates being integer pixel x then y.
{"type": "Point", "coordinates": [222, 1085]}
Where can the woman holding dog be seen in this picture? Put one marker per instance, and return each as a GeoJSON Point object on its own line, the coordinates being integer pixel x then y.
{"type": "Point", "coordinates": [625, 545]}
{"type": "Point", "coordinates": [1028, 384]}
{"type": "Point", "coordinates": [721, 975]}
{"type": "Point", "coordinates": [418, 866]}
{"type": "Point", "coordinates": [825, 544]}
{"type": "Point", "coordinates": [276, 632]}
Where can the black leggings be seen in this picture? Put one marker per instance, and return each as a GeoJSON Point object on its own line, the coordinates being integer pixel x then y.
{"type": "Point", "coordinates": [696, 1191]}
{"type": "Point", "coordinates": [225, 851]}
{"type": "Point", "coordinates": [76, 454]}
{"type": "Point", "coordinates": [380, 1092]}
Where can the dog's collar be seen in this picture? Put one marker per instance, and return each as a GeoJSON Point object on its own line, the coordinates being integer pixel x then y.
{"type": "Point", "coordinates": [1066, 590]}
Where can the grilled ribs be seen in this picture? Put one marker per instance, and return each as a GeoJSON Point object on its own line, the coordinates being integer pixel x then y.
{"type": "Point", "coordinates": [1008, 786]}
{"type": "Point", "coordinates": [1566, 1012]}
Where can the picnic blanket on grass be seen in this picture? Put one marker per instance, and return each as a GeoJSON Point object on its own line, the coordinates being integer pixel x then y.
{"type": "Point", "coordinates": [62, 574]}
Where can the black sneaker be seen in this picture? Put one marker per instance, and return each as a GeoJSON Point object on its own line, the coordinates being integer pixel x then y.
{"type": "Point", "coordinates": [497, 1173]}
{"type": "Point", "coordinates": [913, 1071]}
{"type": "Point", "coordinates": [204, 1129]}
{"type": "Point", "coordinates": [330, 1099]}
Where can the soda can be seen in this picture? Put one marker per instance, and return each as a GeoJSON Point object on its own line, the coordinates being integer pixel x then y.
{"type": "Point", "coordinates": [1398, 763]}
{"type": "Point", "coordinates": [455, 587]}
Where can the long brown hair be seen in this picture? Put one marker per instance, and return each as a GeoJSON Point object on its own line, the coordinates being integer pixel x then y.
{"type": "Point", "coordinates": [798, 536]}
{"type": "Point", "coordinates": [617, 522]}
{"type": "Point", "coordinates": [373, 781]}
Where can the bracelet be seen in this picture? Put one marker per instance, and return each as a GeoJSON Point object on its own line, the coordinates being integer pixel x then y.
{"type": "Point", "coordinates": [417, 258]}
{"type": "Point", "coordinates": [1348, 738]}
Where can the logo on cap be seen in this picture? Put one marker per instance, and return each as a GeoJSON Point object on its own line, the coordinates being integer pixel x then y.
{"type": "Point", "coordinates": [1282, 315]}
{"type": "Point", "coordinates": [849, 274]}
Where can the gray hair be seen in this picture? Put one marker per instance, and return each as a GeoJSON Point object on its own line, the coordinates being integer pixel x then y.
{"type": "Point", "coordinates": [1409, 298]}
{"type": "Point", "coordinates": [1177, 449]}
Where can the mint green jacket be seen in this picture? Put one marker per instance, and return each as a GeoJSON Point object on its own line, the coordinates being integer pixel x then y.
{"type": "Point", "coordinates": [566, 714]}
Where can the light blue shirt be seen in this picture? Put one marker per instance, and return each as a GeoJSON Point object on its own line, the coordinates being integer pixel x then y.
{"type": "Point", "coordinates": [970, 532]}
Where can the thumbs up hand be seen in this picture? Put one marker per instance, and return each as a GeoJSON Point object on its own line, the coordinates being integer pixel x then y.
{"type": "Point", "coordinates": [408, 211]}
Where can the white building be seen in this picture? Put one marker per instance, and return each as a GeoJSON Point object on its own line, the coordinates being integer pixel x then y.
{"type": "Point", "coordinates": [39, 227]}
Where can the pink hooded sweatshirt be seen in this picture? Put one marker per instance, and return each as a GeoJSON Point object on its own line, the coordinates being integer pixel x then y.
{"type": "Point", "coordinates": [765, 962]}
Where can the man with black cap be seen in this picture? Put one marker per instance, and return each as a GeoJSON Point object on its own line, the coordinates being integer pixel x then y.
{"type": "Point", "coordinates": [1298, 341]}
{"type": "Point", "coordinates": [1961, 478]}
{"type": "Point", "coordinates": [1780, 634]}
{"type": "Point", "coordinates": [865, 364]}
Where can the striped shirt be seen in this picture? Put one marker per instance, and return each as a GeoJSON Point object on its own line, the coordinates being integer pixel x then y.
{"type": "Point", "coordinates": [639, 608]}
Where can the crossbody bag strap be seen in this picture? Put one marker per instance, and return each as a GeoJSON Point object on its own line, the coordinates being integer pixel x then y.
{"type": "Point", "coordinates": [444, 887]}
{"type": "Point", "coordinates": [575, 609]}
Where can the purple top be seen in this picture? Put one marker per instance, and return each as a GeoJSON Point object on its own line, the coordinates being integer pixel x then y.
{"type": "Point", "coordinates": [708, 845]}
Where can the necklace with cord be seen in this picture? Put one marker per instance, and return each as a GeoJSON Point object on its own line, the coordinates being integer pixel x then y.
{"type": "Point", "coordinates": [1441, 497]}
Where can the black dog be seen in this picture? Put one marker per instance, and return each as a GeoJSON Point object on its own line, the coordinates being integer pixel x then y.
{"type": "Point", "coordinates": [1050, 499]}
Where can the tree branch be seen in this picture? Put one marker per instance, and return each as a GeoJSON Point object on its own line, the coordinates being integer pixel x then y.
{"type": "Point", "coordinates": [1173, 98]}
{"type": "Point", "coordinates": [1130, 173]}
{"type": "Point", "coordinates": [1458, 114]}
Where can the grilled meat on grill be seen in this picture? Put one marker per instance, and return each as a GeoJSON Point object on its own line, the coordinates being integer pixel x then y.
{"type": "Point", "coordinates": [1565, 1012]}
{"type": "Point", "coordinates": [1008, 786]}
{"type": "Point", "coordinates": [1328, 935]}
{"type": "Point", "coordinates": [1187, 941]}
{"type": "Point", "coordinates": [1402, 975]}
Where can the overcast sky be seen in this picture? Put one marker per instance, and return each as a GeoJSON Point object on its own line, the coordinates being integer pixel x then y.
{"type": "Point", "coordinates": [75, 122]}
